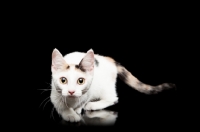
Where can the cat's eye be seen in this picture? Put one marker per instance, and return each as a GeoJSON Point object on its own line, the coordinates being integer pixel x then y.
{"type": "Point", "coordinates": [81, 81]}
{"type": "Point", "coordinates": [63, 80]}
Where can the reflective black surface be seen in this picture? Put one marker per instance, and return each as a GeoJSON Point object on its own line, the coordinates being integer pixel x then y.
{"type": "Point", "coordinates": [133, 108]}
{"type": "Point", "coordinates": [149, 42]}
{"type": "Point", "coordinates": [149, 52]}
{"type": "Point", "coordinates": [95, 118]}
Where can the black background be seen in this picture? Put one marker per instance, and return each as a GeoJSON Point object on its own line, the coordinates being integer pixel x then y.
{"type": "Point", "coordinates": [145, 41]}
{"type": "Point", "coordinates": [147, 50]}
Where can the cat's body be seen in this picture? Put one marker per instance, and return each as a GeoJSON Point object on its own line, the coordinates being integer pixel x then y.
{"type": "Point", "coordinates": [87, 81]}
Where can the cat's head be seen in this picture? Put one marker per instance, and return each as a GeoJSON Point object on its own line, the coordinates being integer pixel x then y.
{"type": "Point", "coordinates": [72, 80]}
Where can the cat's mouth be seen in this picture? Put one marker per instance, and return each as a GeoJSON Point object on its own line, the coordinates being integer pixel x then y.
{"type": "Point", "coordinates": [72, 96]}
{"type": "Point", "coordinates": [69, 96]}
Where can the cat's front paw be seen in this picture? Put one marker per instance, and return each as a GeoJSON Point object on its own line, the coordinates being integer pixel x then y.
{"type": "Point", "coordinates": [71, 117]}
{"type": "Point", "coordinates": [91, 106]}
{"type": "Point", "coordinates": [78, 110]}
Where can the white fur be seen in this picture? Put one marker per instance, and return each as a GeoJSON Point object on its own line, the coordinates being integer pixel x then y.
{"type": "Point", "coordinates": [102, 77]}
{"type": "Point", "coordinates": [71, 97]}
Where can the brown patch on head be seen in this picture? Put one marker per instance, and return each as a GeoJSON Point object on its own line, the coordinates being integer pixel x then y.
{"type": "Point", "coordinates": [64, 67]}
{"type": "Point", "coordinates": [77, 67]}
{"type": "Point", "coordinates": [71, 66]}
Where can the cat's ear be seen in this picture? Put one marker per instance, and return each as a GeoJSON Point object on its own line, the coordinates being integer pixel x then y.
{"type": "Point", "coordinates": [87, 63]}
{"type": "Point", "coordinates": [58, 61]}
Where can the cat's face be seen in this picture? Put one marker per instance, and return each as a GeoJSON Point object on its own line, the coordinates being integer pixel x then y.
{"type": "Point", "coordinates": [72, 80]}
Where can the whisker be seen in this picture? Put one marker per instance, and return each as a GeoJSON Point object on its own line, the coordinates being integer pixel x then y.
{"type": "Point", "coordinates": [44, 90]}
{"type": "Point", "coordinates": [56, 97]}
{"type": "Point", "coordinates": [52, 113]}
{"type": "Point", "coordinates": [43, 101]}
{"type": "Point", "coordinates": [48, 83]}
{"type": "Point", "coordinates": [79, 100]}
{"type": "Point", "coordinates": [65, 101]}
{"type": "Point", "coordinates": [59, 104]}
{"type": "Point", "coordinates": [46, 103]}
{"type": "Point", "coordinates": [49, 89]}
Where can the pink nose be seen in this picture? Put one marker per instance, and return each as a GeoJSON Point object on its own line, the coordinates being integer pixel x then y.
{"type": "Point", "coordinates": [71, 92]}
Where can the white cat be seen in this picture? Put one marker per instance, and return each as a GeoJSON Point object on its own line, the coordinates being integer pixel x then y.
{"type": "Point", "coordinates": [87, 81]}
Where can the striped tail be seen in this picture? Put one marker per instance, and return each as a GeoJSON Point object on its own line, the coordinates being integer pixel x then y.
{"type": "Point", "coordinates": [133, 82]}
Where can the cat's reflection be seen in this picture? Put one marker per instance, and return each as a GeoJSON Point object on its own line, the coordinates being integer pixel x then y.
{"type": "Point", "coordinates": [95, 118]}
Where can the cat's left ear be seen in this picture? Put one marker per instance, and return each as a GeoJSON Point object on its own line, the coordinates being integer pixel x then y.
{"type": "Point", "coordinates": [87, 63]}
{"type": "Point", "coordinates": [58, 61]}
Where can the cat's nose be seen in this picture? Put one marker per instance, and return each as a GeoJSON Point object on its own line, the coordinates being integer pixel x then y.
{"type": "Point", "coordinates": [71, 92]}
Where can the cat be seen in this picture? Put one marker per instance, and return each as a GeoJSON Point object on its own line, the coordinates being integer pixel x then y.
{"type": "Point", "coordinates": [87, 81]}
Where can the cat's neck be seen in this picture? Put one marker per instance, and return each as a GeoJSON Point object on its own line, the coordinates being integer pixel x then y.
{"type": "Point", "coordinates": [77, 101]}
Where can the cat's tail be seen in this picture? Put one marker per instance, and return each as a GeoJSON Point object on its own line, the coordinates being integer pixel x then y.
{"type": "Point", "coordinates": [133, 82]}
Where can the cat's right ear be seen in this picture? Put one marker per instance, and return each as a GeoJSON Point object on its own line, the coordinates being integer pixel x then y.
{"type": "Point", "coordinates": [87, 63]}
{"type": "Point", "coordinates": [58, 61]}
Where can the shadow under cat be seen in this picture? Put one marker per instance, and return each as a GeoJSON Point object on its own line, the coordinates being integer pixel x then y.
{"type": "Point", "coordinates": [94, 118]}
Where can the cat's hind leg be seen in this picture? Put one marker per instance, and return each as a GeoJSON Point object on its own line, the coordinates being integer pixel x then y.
{"type": "Point", "coordinates": [100, 113]}
{"type": "Point", "coordinates": [101, 104]}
